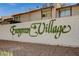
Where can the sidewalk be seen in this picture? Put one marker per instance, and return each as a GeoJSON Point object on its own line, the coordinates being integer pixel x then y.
{"type": "Point", "coordinates": [31, 49]}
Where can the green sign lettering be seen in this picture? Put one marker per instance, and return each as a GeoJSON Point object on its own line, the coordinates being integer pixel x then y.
{"type": "Point", "coordinates": [41, 28]}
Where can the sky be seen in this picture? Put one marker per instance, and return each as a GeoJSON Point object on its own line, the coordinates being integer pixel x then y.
{"type": "Point", "coordinates": [7, 9]}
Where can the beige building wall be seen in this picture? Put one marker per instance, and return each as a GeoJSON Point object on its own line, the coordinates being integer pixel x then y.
{"type": "Point", "coordinates": [75, 10]}
{"type": "Point", "coordinates": [31, 16]}
{"type": "Point", "coordinates": [35, 15]}
{"type": "Point", "coordinates": [53, 13]}
{"type": "Point", "coordinates": [24, 17]}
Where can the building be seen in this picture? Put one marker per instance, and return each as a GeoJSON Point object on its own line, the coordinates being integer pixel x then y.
{"type": "Point", "coordinates": [7, 20]}
{"type": "Point", "coordinates": [50, 12]}
{"type": "Point", "coordinates": [46, 12]}
{"type": "Point", "coordinates": [71, 10]}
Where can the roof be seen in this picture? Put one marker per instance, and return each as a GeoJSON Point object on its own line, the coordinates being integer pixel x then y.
{"type": "Point", "coordinates": [6, 17]}
{"type": "Point", "coordinates": [69, 6]}
{"type": "Point", "coordinates": [32, 11]}
{"type": "Point", "coordinates": [45, 8]}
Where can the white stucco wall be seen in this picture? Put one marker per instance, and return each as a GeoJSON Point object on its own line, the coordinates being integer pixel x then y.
{"type": "Point", "coordinates": [68, 39]}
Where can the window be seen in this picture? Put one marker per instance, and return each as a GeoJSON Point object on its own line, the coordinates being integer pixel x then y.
{"type": "Point", "coordinates": [17, 18]}
{"type": "Point", "coordinates": [46, 13]}
{"type": "Point", "coordinates": [63, 12]}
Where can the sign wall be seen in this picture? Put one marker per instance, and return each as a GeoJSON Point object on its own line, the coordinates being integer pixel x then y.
{"type": "Point", "coordinates": [60, 31]}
